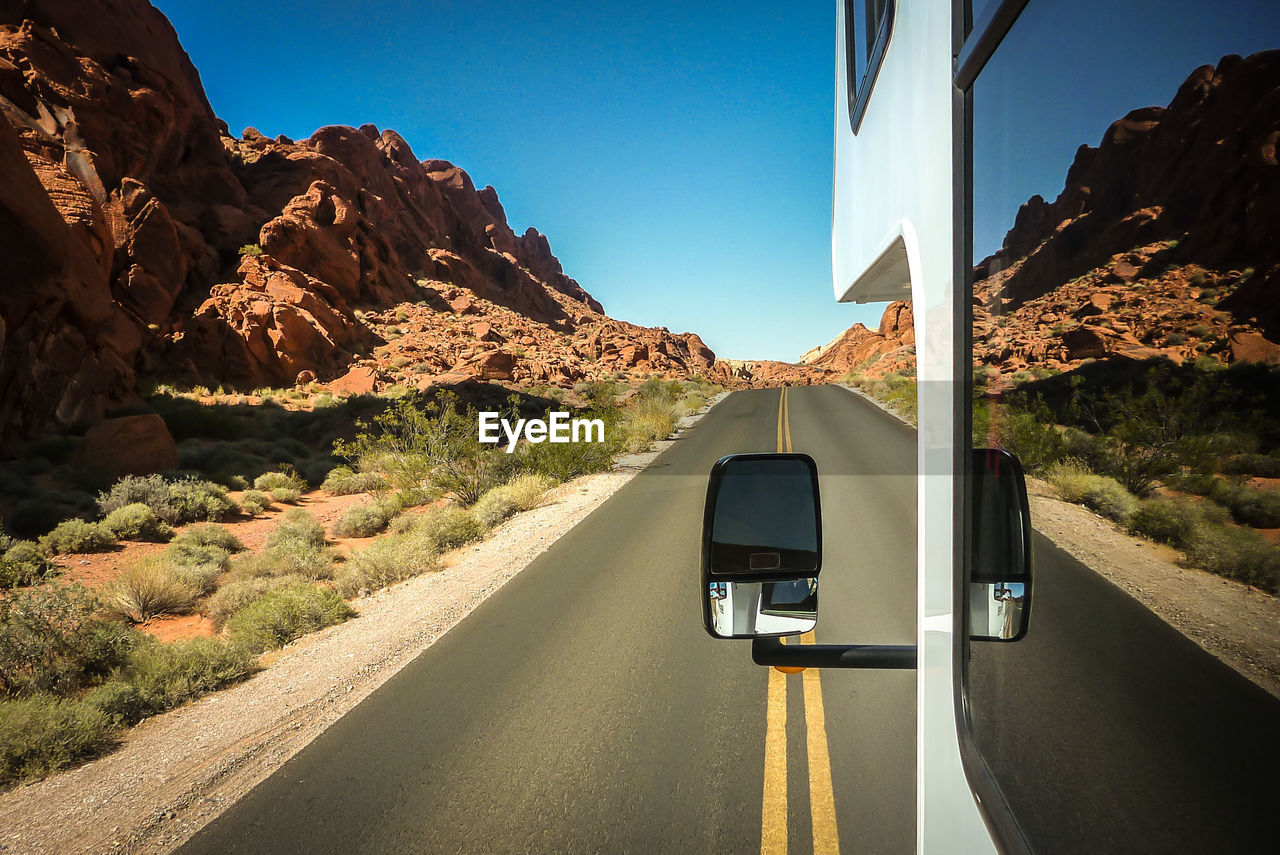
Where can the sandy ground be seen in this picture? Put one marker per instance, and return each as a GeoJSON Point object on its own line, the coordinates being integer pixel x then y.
{"type": "Point", "coordinates": [174, 773]}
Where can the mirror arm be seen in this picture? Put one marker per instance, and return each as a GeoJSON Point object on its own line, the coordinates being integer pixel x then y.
{"type": "Point", "coordinates": [771, 651]}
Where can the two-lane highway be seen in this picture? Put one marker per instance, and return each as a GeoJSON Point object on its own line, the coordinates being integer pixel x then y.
{"type": "Point", "coordinates": [582, 708]}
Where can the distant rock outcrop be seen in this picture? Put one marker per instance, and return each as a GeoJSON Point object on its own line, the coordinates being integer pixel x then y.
{"type": "Point", "coordinates": [1162, 242]}
{"type": "Point", "coordinates": [138, 237]}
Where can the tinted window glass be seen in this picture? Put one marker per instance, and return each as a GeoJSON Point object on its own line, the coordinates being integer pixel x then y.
{"type": "Point", "coordinates": [1126, 337]}
{"type": "Point", "coordinates": [867, 26]}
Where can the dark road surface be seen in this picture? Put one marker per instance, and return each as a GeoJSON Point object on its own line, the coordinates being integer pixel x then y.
{"type": "Point", "coordinates": [582, 708]}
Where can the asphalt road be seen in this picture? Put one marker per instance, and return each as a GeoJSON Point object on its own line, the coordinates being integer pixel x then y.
{"type": "Point", "coordinates": [582, 708]}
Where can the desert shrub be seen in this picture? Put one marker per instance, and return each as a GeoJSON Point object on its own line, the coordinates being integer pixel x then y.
{"type": "Point", "coordinates": [238, 593]}
{"type": "Point", "coordinates": [199, 566]}
{"type": "Point", "coordinates": [1258, 508]}
{"type": "Point", "coordinates": [386, 561]}
{"type": "Point", "coordinates": [76, 535]}
{"type": "Point", "coordinates": [648, 419]}
{"type": "Point", "coordinates": [207, 535]}
{"type": "Point", "coordinates": [52, 641]}
{"type": "Point", "coordinates": [310, 563]}
{"type": "Point", "coordinates": [402, 500]}
{"type": "Point", "coordinates": [23, 563]}
{"type": "Point", "coordinates": [176, 502]}
{"type": "Point", "coordinates": [1030, 434]}
{"type": "Point", "coordinates": [519, 494]}
{"type": "Point", "coordinates": [285, 495]}
{"type": "Point", "coordinates": [693, 402]}
{"type": "Point", "coordinates": [42, 734]}
{"type": "Point", "coordinates": [148, 588]}
{"type": "Point", "coordinates": [1164, 520]}
{"type": "Point", "coordinates": [278, 617]}
{"type": "Point", "coordinates": [562, 461]}
{"type": "Point", "coordinates": [494, 507]}
{"type": "Point", "coordinates": [136, 522]}
{"type": "Point", "coordinates": [344, 481]}
{"type": "Point", "coordinates": [269, 481]}
{"type": "Point", "coordinates": [602, 393]}
{"type": "Point", "coordinates": [250, 250]}
{"type": "Point", "coordinates": [254, 502]}
{"type": "Point", "coordinates": [119, 701]}
{"type": "Point", "coordinates": [444, 528]}
{"type": "Point", "coordinates": [1237, 553]}
{"type": "Point", "coordinates": [1199, 330]}
{"type": "Point", "coordinates": [1104, 495]}
{"type": "Point", "coordinates": [1262, 465]}
{"type": "Point", "coordinates": [150, 490]}
{"type": "Point", "coordinates": [297, 530]}
{"type": "Point", "coordinates": [362, 521]}
{"type": "Point", "coordinates": [1175, 338]}
{"type": "Point", "coordinates": [168, 675]}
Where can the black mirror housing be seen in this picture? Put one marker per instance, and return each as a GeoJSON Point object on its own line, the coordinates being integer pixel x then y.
{"type": "Point", "coordinates": [761, 546]}
{"type": "Point", "coordinates": [999, 583]}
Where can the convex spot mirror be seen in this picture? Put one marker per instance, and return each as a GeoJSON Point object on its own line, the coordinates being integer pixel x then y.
{"type": "Point", "coordinates": [1000, 553]}
{"type": "Point", "coordinates": [761, 546]}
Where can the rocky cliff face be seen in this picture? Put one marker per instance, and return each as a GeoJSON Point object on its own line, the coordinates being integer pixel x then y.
{"type": "Point", "coordinates": [891, 347]}
{"type": "Point", "coordinates": [1162, 243]}
{"type": "Point", "coordinates": [138, 237]}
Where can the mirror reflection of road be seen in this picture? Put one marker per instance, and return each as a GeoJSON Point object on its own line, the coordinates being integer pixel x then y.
{"type": "Point", "coordinates": [583, 708]}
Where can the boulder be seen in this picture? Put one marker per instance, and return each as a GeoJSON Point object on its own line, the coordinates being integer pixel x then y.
{"type": "Point", "coordinates": [129, 445]}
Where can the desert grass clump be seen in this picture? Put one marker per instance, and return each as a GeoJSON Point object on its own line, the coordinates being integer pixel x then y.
{"type": "Point", "coordinates": [521, 493]}
{"type": "Point", "coordinates": [278, 617]}
{"type": "Point", "coordinates": [42, 733]}
{"type": "Point", "coordinates": [386, 561]}
{"type": "Point", "coordinates": [285, 495]}
{"type": "Point", "coordinates": [344, 481]}
{"type": "Point", "coordinates": [233, 596]}
{"type": "Point", "coordinates": [207, 534]}
{"type": "Point", "coordinates": [297, 530]}
{"type": "Point", "coordinates": [168, 675]}
{"type": "Point", "coordinates": [1075, 483]}
{"type": "Point", "coordinates": [136, 522]}
{"type": "Point", "coordinates": [648, 419]}
{"type": "Point", "coordinates": [150, 587]}
{"type": "Point", "coordinates": [443, 528]}
{"type": "Point", "coordinates": [362, 521]}
{"type": "Point", "coordinates": [76, 535]}
{"type": "Point", "coordinates": [271, 481]}
{"type": "Point", "coordinates": [254, 502]}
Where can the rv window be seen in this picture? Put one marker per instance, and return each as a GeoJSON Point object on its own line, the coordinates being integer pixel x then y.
{"type": "Point", "coordinates": [868, 24]}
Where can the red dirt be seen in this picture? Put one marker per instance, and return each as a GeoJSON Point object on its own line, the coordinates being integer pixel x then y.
{"type": "Point", "coordinates": [94, 570]}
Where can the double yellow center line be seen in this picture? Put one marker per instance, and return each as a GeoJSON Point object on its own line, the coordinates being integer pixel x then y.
{"type": "Point", "coordinates": [822, 804]}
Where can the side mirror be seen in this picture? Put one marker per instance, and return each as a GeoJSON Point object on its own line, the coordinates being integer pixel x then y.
{"type": "Point", "coordinates": [761, 546]}
{"type": "Point", "coordinates": [1000, 548]}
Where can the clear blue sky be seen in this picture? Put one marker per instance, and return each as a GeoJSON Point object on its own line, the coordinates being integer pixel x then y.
{"type": "Point", "coordinates": [1068, 70]}
{"type": "Point", "coordinates": [677, 155]}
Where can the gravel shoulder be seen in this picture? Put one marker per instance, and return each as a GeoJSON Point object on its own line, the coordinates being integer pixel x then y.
{"type": "Point", "coordinates": [1235, 623]}
{"type": "Point", "coordinates": [176, 772]}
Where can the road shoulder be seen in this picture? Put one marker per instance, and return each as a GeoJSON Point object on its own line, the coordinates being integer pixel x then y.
{"type": "Point", "coordinates": [176, 772]}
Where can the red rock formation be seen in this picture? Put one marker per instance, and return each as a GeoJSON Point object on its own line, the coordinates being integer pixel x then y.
{"type": "Point", "coordinates": [874, 352]}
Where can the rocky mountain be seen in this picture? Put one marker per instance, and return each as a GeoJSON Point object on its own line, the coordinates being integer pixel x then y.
{"type": "Point", "coordinates": [139, 238]}
{"type": "Point", "coordinates": [1163, 241]}
{"type": "Point", "coordinates": [891, 347]}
